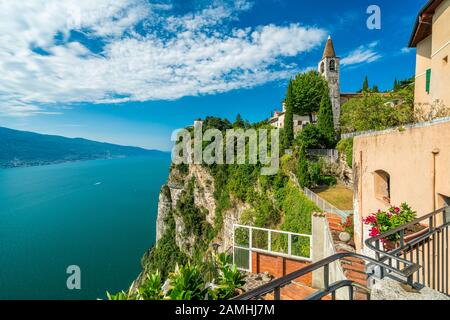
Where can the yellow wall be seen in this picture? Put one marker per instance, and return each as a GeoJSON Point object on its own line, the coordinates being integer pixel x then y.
{"type": "Point", "coordinates": [423, 62]}
{"type": "Point", "coordinates": [430, 54]}
{"type": "Point", "coordinates": [407, 156]}
{"type": "Point", "coordinates": [440, 80]}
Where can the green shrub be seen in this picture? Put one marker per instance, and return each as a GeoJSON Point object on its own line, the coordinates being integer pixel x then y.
{"type": "Point", "coordinates": [230, 278]}
{"type": "Point", "coordinates": [376, 112]}
{"type": "Point", "coordinates": [302, 169]}
{"type": "Point", "coordinates": [191, 281]}
{"type": "Point", "coordinates": [165, 255]}
{"type": "Point", "coordinates": [151, 288]}
{"type": "Point", "coordinates": [345, 146]}
{"type": "Point", "coordinates": [315, 173]}
{"type": "Point", "coordinates": [186, 283]}
{"type": "Point", "coordinates": [329, 181]}
{"type": "Point", "coordinates": [311, 138]}
{"type": "Point", "coordinates": [122, 295]}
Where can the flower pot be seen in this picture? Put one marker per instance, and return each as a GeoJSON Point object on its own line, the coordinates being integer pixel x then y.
{"type": "Point", "coordinates": [420, 231]}
{"type": "Point", "coordinates": [410, 235]}
{"type": "Point", "coordinates": [390, 245]}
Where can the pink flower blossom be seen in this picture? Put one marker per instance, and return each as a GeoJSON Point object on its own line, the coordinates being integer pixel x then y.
{"type": "Point", "coordinates": [374, 232]}
{"type": "Point", "coordinates": [370, 220]}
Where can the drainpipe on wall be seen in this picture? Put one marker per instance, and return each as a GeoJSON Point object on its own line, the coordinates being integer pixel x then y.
{"type": "Point", "coordinates": [435, 153]}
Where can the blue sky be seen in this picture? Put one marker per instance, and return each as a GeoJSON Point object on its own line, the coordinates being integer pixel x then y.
{"type": "Point", "coordinates": [132, 71]}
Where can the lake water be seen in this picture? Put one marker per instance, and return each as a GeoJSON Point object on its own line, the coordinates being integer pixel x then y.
{"type": "Point", "coordinates": [98, 215]}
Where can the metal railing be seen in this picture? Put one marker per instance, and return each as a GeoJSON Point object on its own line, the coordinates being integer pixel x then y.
{"type": "Point", "coordinates": [275, 287]}
{"type": "Point", "coordinates": [420, 261]}
{"type": "Point", "coordinates": [427, 253]}
{"type": "Point", "coordinates": [331, 154]}
{"type": "Point", "coordinates": [247, 239]}
{"type": "Point", "coordinates": [324, 205]}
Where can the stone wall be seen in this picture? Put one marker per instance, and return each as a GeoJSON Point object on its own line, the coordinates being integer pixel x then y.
{"type": "Point", "coordinates": [389, 289]}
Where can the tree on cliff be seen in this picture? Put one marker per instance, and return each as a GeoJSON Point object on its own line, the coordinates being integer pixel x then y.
{"type": "Point", "coordinates": [365, 87]}
{"type": "Point", "coordinates": [239, 123]}
{"type": "Point", "coordinates": [308, 89]}
{"type": "Point", "coordinates": [289, 116]}
{"type": "Point", "coordinates": [325, 122]}
{"type": "Point", "coordinates": [302, 168]}
{"type": "Point", "coordinates": [395, 85]}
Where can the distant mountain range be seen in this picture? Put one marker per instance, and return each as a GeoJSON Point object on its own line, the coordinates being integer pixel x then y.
{"type": "Point", "coordinates": [22, 149]}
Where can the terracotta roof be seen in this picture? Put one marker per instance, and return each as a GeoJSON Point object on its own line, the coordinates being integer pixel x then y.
{"type": "Point", "coordinates": [423, 26]}
{"type": "Point", "coordinates": [329, 49]}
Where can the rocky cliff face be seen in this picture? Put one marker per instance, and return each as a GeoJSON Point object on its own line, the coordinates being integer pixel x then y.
{"type": "Point", "coordinates": [344, 172]}
{"type": "Point", "coordinates": [203, 193]}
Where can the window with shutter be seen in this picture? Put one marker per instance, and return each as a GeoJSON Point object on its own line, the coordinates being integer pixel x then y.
{"type": "Point", "coordinates": [428, 81]}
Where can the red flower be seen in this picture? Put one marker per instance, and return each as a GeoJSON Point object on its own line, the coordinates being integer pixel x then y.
{"type": "Point", "coordinates": [374, 232]}
{"type": "Point", "coordinates": [370, 220]}
{"type": "Point", "coordinates": [397, 210]}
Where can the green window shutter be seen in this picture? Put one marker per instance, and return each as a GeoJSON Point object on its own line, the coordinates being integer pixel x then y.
{"type": "Point", "coordinates": [428, 80]}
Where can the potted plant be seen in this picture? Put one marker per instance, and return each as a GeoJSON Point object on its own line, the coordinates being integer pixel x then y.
{"type": "Point", "coordinates": [383, 221]}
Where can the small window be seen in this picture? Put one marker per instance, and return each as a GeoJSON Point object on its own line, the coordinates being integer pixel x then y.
{"type": "Point", "coordinates": [332, 65]}
{"type": "Point", "coordinates": [427, 85]}
{"type": "Point", "coordinates": [382, 181]}
{"type": "Point", "coordinates": [322, 68]}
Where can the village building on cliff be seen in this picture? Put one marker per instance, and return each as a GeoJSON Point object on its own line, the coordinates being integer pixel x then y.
{"type": "Point", "coordinates": [329, 67]}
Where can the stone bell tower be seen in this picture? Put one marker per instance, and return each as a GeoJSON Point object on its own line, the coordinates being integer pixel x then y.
{"type": "Point", "coordinates": [329, 68]}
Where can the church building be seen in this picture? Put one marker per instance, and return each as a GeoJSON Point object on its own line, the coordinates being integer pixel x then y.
{"type": "Point", "coordinates": [329, 68]}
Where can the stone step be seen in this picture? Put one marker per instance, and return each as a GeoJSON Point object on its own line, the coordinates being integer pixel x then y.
{"type": "Point", "coordinates": [359, 267]}
{"type": "Point", "coordinates": [354, 260]}
{"type": "Point", "coordinates": [352, 275]}
{"type": "Point", "coordinates": [362, 282]}
{"type": "Point", "coordinates": [334, 216]}
{"type": "Point", "coordinates": [336, 227]}
{"type": "Point", "coordinates": [360, 296]}
{"type": "Point", "coordinates": [337, 220]}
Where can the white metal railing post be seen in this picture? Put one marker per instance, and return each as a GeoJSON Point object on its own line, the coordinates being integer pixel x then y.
{"type": "Point", "coordinates": [250, 252]}
{"type": "Point", "coordinates": [269, 245]}
{"type": "Point", "coordinates": [250, 248]}
{"type": "Point", "coordinates": [234, 243]}
{"type": "Point", "coordinates": [290, 244]}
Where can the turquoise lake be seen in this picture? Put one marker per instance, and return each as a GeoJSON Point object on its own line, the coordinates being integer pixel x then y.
{"type": "Point", "coordinates": [99, 215]}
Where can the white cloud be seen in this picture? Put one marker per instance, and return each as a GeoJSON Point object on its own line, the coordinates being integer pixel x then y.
{"type": "Point", "coordinates": [363, 54]}
{"type": "Point", "coordinates": [148, 53]}
{"type": "Point", "coordinates": [406, 50]}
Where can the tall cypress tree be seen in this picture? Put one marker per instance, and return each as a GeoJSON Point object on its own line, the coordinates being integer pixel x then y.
{"type": "Point", "coordinates": [239, 123]}
{"type": "Point", "coordinates": [289, 116]}
{"type": "Point", "coordinates": [395, 85]}
{"type": "Point", "coordinates": [302, 168]}
{"type": "Point", "coordinates": [325, 122]}
{"type": "Point", "coordinates": [365, 87]}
